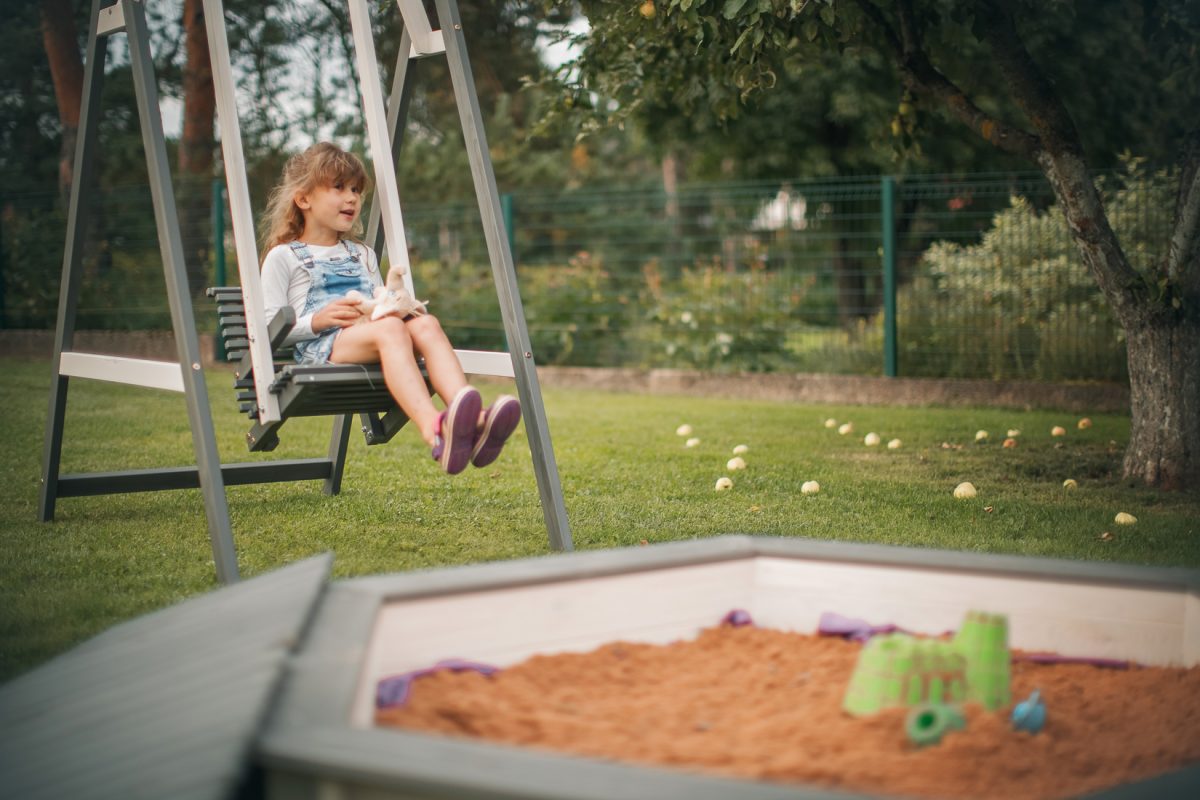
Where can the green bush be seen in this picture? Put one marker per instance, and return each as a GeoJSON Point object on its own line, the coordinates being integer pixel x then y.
{"type": "Point", "coordinates": [121, 284]}
{"type": "Point", "coordinates": [463, 298]}
{"type": "Point", "coordinates": [577, 314]}
{"type": "Point", "coordinates": [712, 319]}
{"type": "Point", "coordinates": [1021, 303]}
{"type": "Point", "coordinates": [31, 249]}
{"type": "Point", "coordinates": [839, 351]}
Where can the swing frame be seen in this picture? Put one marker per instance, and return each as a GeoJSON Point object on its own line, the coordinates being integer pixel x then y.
{"type": "Point", "coordinates": [385, 125]}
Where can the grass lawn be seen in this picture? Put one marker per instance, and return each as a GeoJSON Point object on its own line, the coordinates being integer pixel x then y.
{"type": "Point", "coordinates": [627, 477]}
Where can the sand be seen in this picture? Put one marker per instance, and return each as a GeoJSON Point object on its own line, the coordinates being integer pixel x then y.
{"type": "Point", "coordinates": [766, 705]}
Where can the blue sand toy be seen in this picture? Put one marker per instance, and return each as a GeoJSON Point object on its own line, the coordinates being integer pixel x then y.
{"type": "Point", "coordinates": [1029, 715]}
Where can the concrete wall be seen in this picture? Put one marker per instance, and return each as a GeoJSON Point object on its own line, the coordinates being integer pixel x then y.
{"type": "Point", "coordinates": [849, 389]}
{"type": "Point", "coordinates": [802, 388]}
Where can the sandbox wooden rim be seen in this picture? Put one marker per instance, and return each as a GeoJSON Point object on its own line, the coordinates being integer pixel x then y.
{"type": "Point", "coordinates": [309, 741]}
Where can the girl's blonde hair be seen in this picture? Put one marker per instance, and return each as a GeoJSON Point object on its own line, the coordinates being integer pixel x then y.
{"type": "Point", "coordinates": [323, 164]}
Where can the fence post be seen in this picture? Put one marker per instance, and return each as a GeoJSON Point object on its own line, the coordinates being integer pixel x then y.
{"type": "Point", "coordinates": [218, 232]}
{"type": "Point", "coordinates": [887, 199]}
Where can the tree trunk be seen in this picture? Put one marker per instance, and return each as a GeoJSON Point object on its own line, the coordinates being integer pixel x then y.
{"type": "Point", "coordinates": [849, 271]}
{"type": "Point", "coordinates": [196, 146]}
{"type": "Point", "coordinates": [671, 171]}
{"type": "Point", "coordinates": [850, 278]}
{"type": "Point", "coordinates": [1163, 340]}
{"type": "Point", "coordinates": [1164, 382]}
{"type": "Point", "coordinates": [66, 71]}
{"type": "Point", "coordinates": [1163, 343]}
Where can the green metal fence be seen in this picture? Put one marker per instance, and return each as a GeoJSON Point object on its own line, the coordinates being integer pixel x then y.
{"type": "Point", "coordinates": [990, 284]}
{"type": "Point", "coordinates": [123, 286]}
{"type": "Point", "coordinates": [930, 276]}
{"type": "Point", "coordinates": [926, 276]}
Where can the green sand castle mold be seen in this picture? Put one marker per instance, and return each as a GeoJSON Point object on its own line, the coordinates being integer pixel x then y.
{"type": "Point", "coordinates": [901, 670]}
{"type": "Point", "coordinates": [906, 671]}
{"type": "Point", "coordinates": [983, 641]}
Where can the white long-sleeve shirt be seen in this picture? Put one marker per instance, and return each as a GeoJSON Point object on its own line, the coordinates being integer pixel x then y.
{"type": "Point", "coordinates": [285, 281]}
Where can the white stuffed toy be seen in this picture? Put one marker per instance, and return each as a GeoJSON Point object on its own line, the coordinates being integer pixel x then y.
{"type": "Point", "coordinates": [391, 299]}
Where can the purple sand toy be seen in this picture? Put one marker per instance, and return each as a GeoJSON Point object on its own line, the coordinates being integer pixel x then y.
{"type": "Point", "coordinates": [1054, 658]}
{"type": "Point", "coordinates": [856, 630]}
{"type": "Point", "coordinates": [393, 690]}
{"type": "Point", "coordinates": [737, 618]}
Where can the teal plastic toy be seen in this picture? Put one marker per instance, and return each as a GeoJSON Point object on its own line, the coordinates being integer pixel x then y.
{"type": "Point", "coordinates": [928, 723]}
{"type": "Point", "coordinates": [1029, 715]}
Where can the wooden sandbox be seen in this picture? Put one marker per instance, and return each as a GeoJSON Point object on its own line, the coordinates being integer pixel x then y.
{"type": "Point", "coordinates": [320, 741]}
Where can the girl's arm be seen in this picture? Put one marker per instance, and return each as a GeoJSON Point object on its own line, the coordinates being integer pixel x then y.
{"type": "Point", "coordinates": [340, 313]}
{"type": "Point", "coordinates": [284, 282]}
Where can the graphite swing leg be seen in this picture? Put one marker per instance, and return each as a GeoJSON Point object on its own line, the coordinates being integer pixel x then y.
{"type": "Point", "coordinates": [77, 224]}
{"type": "Point", "coordinates": [208, 464]}
{"type": "Point", "coordinates": [505, 276]}
{"type": "Point", "coordinates": [338, 441]}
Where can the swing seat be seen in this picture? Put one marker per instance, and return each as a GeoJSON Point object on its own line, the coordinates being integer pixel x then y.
{"type": "Point", "coordinates": [303, 390]}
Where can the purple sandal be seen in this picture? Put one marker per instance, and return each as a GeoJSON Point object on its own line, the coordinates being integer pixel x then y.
{"type": "Point", "coordinates": [455, 437]}
{"type": "Point", "coordinates": [499, 421]}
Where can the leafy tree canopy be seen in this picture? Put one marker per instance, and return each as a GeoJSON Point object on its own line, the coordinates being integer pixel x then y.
{"type": "Point", "coordinates": [1124, 70]}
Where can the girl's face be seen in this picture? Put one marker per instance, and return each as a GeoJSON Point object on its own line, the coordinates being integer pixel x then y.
{"type": "Point", "coordinates": [329, 212]}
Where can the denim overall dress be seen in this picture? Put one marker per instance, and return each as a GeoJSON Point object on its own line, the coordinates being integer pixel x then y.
{"type": "Point", "coordinates": [332, 277]}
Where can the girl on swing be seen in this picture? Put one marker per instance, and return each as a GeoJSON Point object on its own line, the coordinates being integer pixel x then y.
{"type": "Point", "coordinates": [311, 262]}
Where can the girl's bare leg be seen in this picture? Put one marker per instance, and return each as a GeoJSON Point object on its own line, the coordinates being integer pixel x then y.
{"type": "Point", "coordinates": [387, 341]}
{"type": "Point", "coordinates": [445, 373]}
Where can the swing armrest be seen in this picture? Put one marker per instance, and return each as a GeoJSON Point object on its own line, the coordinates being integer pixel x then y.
{"type": "Point", "coordinates": [277, 330]}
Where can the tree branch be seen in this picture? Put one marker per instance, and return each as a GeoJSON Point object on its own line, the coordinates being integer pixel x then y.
{"type": "Point", "coordinates": [1030, 87]}
{"type": "Point", "coordinates": [910, 35]}
{"type": "Point", "coordinates": [922, 77]}
{"type": "Point", "coordinates": [1061, 159]}
{"type": "Point", "coordinates": [66, 73]}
